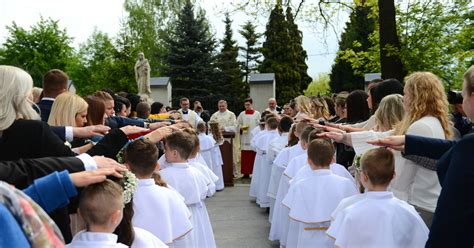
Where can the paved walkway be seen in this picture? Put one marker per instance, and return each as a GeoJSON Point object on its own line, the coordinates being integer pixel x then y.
{"type": "Point", "coordinates": [237, 221]}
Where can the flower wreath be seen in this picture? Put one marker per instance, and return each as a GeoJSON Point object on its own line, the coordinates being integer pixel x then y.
{"type": "Point", "coordinates": [130, 183]}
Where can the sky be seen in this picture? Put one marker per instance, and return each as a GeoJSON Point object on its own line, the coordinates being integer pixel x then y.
{"type": "Point", "coordinates": [81, 17]}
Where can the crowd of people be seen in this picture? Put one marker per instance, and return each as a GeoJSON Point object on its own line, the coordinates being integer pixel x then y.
{"type": "Point", "coordinates": [114, 170]}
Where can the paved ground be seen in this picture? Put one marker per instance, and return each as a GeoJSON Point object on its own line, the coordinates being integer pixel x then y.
{"type": "Point", "coordinates": [237, 221]}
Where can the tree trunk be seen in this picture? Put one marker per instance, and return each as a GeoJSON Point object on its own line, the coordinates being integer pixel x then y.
{"type": "Point", "coordinates": [391, 65]}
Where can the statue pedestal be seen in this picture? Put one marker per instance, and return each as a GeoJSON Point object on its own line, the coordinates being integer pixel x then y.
{"type": "Point", "coordinates": [228, 158]}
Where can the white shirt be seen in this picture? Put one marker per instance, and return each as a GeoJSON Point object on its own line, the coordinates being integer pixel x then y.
{"type": "Point", "coordinates": [379, 220]}
{"type": "Point", "coordinates": [252, 121]}
{"type": "Point", "coordinates": [191, 117]}
{"type": "Point", "coordinates": [85, 239]}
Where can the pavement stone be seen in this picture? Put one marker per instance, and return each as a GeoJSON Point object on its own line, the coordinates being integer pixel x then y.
{"type": "Point", "coordinates": [237, 221]}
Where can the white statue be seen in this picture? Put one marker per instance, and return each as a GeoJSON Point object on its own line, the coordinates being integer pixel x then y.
{"type": "Point", "coordinates": [142, 75]}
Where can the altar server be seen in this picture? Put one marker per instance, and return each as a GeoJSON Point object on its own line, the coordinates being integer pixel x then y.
{"type": "Point", "coordinates": [158, 209]}
{"type": "Point", "coordinates": [191, 184]}
{"type": "Point", "coordinates": [379, 219]}
{"type": "Point", "coordinates": [312, 199]}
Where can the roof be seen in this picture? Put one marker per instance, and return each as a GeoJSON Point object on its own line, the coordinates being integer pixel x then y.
{"type": "Point", "coordinates": [261, 78]}
{"type": "Point", "coordinates": [159, 81]}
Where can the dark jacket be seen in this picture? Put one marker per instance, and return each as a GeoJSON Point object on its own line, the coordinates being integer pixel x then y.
{"type": "Point", "coordinates": [118, 122]}
{"type": "Point", "coordinates": [454, 215]}
{"type": "Point", "coordinates": [34, 139]}
{"type": "Point", "coordinates": [45, 107]}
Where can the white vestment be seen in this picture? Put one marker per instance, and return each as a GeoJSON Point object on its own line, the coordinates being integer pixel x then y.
{"type": "Point", "coordinates": [192, 117]}
{"type": "Point", "coordinates": [228, 121]}
{"type": "Point", "coordinates": [145, 239]}
{"type": "Point", "coordinates": [274, 149]}
{"type": "Point", "coordinates": [250, 121]}
{"type": "Point", "coordinates": [253, 192]}
{"type": "Point", "coordinates": [161, 211]}
{"type": "Point", "coordinates": [85, 239]}
{"type": "Point", "coordinates": [379, 220]}
{"type": "Point", "coordinates": [263, 143]}
{"type": "Point", "coordinates": [193, 186]}
{"type": "Point", "coordinates": [211, 153]}
{"type": "Point", "coordinates": [311, 201]}
{"type": "Point", "coordinates": [211, 177]}
{"type": "Point", "coordinates": [280, 213]}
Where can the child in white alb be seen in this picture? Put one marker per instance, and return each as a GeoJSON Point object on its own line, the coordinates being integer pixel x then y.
{"type": "Point", "coordinates": [191, 184]}
{"type": "Point", "coordinates": [312, 199]}
{"type": "Point", "coordinates": [378, 219]}
{"type": "Point", "coordinates": [157, 208]}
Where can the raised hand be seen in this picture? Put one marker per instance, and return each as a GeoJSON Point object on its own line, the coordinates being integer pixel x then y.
{"type": "Point", "coordinates": [89, 131]}
{"type": "Point", "coordinates": [395, 142]}
{"type": "Point", "coordinates": [103, 162]}
{"type": "Point", "coordinates": [133, 130]}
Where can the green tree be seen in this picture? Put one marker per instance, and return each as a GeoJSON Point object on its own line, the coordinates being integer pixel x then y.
{"type": "Point", "coordinates": [251, 50]}
{"type": "Point", "coordinates": [45, 46]}
{"type": "Point", "coordinates": [230, 67]}
{"type": "Point", "coordinates": [356, 38]}
{"type": "Point", "coordinates": [145, 26]}
{"type": "Point", "coordinates": [276, 55]}
{"type": "Point", "coordinates": [297, 51]}
{"type": "Point", "coordinates": [190, 62]}
{"type": "Point", "coordinates": [319, 86]}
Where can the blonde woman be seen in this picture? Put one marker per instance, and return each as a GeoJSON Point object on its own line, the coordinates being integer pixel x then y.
{"type": "Point", "coordinates": [68, 110]}
{"type": "Point", "coordinates": [304, 108]}
{"type": "Point", "coordinates": [426, 114]}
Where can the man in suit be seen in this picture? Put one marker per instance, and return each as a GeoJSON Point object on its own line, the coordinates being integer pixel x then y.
{"type": "Point", "coordinates": [54, 83]}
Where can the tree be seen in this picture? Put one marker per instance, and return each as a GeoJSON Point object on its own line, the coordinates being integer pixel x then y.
{"type": "Point", "coordinates": [44, 47]}
{"type": "Point", "coordinates": [146, 25]}
{"type": "Point", "coordinates": [356, 38]}
{"type": "Point", "coordinates": [229, 66]}
{"type": "Point", "coordinates": [95, 66]}
{"type": "Point", "coordinates": [251, 50]}
{"type": "Point", "coordinates": [390, 61]}
{"type": "Point", "coordinates": [300, 56]}
{"type": "Point", "coordinates": [277, 59]}
{"type": "Point", "coordinates": [190, 62]}
{"type": "Point", "coordinates": [319, 86]}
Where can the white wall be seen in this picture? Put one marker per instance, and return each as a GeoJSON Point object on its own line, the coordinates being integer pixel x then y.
{"type": "Point", "coordinates": [260, 93]}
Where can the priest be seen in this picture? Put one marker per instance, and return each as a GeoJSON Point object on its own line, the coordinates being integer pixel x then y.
{"type": "Point", "coordinates": [187, 114]}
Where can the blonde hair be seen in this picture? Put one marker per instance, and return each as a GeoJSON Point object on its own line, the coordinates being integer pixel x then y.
{"type": "Point", "coordinates": [304, 105]}
{"type": "Point", "coordinates": [469, 79]}
{"type": "Point", "coordinates": [36, 93]}
{"type": "Point", "coordinates": [389, 113]}
{"type": "Point", "coordinates": [15, 89]}
{"type": "Point", "coordinates": [427, 99]}
{"type": "Point", "coordinates": [320, 108]}
{"type": "Point", "coordinates": [65, 108]}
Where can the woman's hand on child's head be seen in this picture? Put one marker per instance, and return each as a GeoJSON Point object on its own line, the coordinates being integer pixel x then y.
{"type": "Point", "coordinates": [133, 130]}
{"type": "Point", "coordinates": [394, 142]}
{"type": "Point", "coordinates": [84, 178]}
{"type": "Point", "coordinates": [159, 134]}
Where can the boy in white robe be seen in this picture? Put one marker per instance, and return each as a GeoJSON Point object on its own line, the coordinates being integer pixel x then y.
{"type": "Point", "coordinates": [253, 191]}
{"type": "Point", "coordinates": [312, 199]}
{"type": "Point", "coordinates": [207, 150]}
{"type": "Point", "coordinates": [280, 214]}
{"type": "Point", "coordinates": [275, 147]}
{"type": "Point", "coordinates": [197, 162]}
{"type": "Point", "coordinates": [157, 209]}
{"type": "Point", "coordinates": [100, 221]}
{"type": "Point", "coordinates": [379, 219]}
{"type": "Point", "coordinates": [263, 143]}
{"type": "Point", "coordinates": [191, 184]}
